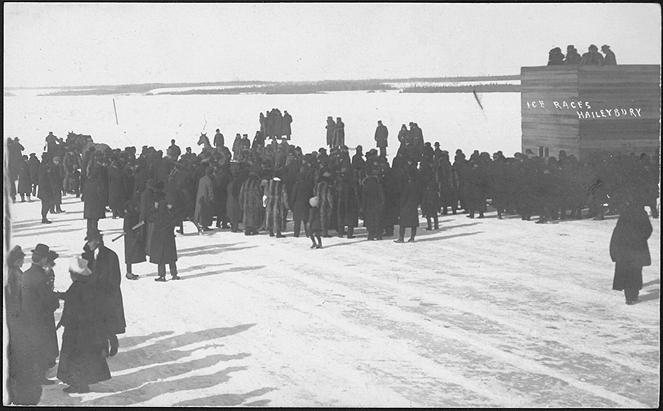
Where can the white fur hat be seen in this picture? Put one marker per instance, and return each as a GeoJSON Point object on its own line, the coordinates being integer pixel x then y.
{"type": "Point", "coordinates": [314, 201]}
{"type": "Point", "coordinates": [78, 265]}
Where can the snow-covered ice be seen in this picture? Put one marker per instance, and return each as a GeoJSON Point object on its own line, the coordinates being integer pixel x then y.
{"type": "Point", "coordinates": [482, 313]}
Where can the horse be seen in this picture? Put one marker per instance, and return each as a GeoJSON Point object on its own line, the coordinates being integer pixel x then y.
{"type": "Point", "coordinates": [204, 141]}
{"type": "Point", "coordinates": [83, 142]}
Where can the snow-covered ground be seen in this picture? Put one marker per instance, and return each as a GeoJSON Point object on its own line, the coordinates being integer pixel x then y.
{"type": "Point", "coordinates": [482, 313]}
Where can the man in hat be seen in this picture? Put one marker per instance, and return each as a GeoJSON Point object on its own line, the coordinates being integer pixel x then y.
{"type": "Point", "coordinates": [572, 55]}
{"type": "Point", "coordinates": [173, 151]}
{"type": "Point", "coordinates": [51, 142]}
{"type": "Point", "coordinates": [106, 277]}
{"type": "Point", "coordinates": [609, 59]}
{"type": "Point", "coordinates": [339, 133]}
{"type": "Point", "coordinates": [592, 57]}
{"type": "Point", "coordinates": [24, 376]}
{"type": "Point", "coordinates": [219, 139]}
{"type": "Point", "coordinates": [381, 134]}
{"type": "Point", "coordinates": [286, 128]}
{"type": "Point", "coordinates": [163, 249]}
{"type": "Point", "coordinates": [38, 304]}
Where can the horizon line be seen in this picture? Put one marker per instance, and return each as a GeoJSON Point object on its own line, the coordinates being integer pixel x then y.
{"type": "Point", "coordinates": [220, 82]}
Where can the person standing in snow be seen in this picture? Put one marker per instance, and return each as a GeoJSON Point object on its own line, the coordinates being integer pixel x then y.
{"type": "Point", "coordinates": [163, 249]}
{"type": "Point", "coordinates": [84, 342]}
{"type": "Point", "coordinates": [134, 240]}
{"type": "Point", "coordinates": [106, 278]}
{"type": "Point", "coordinates": [38, 304]}
{"type": "Point", "coordinates": [24, 373]}
{"type": "Point", "coordinates": [629, 250]}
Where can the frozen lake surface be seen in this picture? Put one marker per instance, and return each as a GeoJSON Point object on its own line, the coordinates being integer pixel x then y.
{"type": "Point", "coordinates": [453, 119]}
{"type": "Point", "coordinates": [482, 313]}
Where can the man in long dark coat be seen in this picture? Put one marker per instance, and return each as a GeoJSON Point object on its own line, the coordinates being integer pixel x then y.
{"type": "Point", "coordinates": [24, 373]}
{"type": "Point", "coordinates": [219, 140]}
{"type": "Point", "coordinates": [331, 126]}
{"type": "Point", "coordinates": [448, 181]}
{"type": "Point", "coordinates": [163, 250]}
{"type": "Point", "coordinates": [34, 165]}
{"type": "Point", "coordinates": [106, 277]}
{"type": "Point", "coordinates": [134, 239]}
{"type": "Point", "coordinates": [372, 201]}
{"type": "Point", "coordinates": [286, 125]}
{"type": "Point", "coordinates": [302, 192]}
{"type": "Point", "coordinates": [45, 193]}
{"type": "Point", "coordinates": [381, 134]}
{"type": "Point", "coordinates": [56, 176]}
{"type": "Point", "coordinates": [392, 200]}
{"type": "Point", "coordinates": [95, 196]}
{"type": "Point", "coordinates": [339, 133]}
{"type": "Point", "coordinates": [410, 199]}
{"type": "Point", "coordinates": [24, 180]}
{"type": "Point", "coordinates": [117, 195]}
{"type": "Point", "coordinates": [347, 203]}
{"type": "Point", "coordinates": [629, 250]}
{"type": "Point", "coordinates": [38, 304]}
{"type": "Point", "coordinates": [221, 178]}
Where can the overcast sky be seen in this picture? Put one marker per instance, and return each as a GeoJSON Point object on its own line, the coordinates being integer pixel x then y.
{"type": "Point", "coordinates": [91, 44]}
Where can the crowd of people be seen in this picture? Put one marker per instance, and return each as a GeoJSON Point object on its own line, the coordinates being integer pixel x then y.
{"type": "Point", "coordinates": [592, 57]}
{"type": "Point", "coordinates": [273, 124]}
{"type": "Point", "coordinates": [92, 316]}
{"type": "Point", "coordinates": [257, 187]}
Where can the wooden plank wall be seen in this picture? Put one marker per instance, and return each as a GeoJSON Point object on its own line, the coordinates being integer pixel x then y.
{"type": "Point", "coordinates": [548, 126]}
{"type": "Point", "coordinates": [623, 86]}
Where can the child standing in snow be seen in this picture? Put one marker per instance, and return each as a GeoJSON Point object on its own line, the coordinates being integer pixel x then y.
{"type": "Point", "coordinates": [315, 226]}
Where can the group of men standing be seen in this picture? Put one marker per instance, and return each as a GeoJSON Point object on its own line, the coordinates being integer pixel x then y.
{"type": "Point", "coordinates": [335, 132]}
{"type": "Point", "coordinates": [92, 316]}
{"type": "Point", "coordinates": [592, 57]}
{"type": "Point", "coordinates": [273, 124]}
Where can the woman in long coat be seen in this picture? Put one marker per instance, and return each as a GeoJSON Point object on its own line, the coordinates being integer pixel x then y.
{"type": "Point", "coordinates": [250, 201]}
{"type": "Point", "coordinates": [629, 250]}
{"type": "Point", "coordinates": [82, 357]}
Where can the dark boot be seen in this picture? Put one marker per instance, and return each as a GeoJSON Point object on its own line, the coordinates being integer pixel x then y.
{"type": "Point", "coordinates": [429, 224]}
{"type": "Point", "coordinates": [413, 232]}
{"type": "Point", "coordinates": [114, 344]}
{"type": "Point", "coordinates": [401, 235]}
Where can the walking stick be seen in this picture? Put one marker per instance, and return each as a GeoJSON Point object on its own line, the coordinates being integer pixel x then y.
{"type": "Point", "coordinates": [142, 223]}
